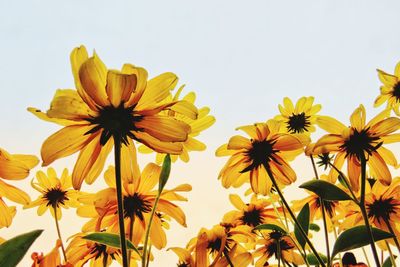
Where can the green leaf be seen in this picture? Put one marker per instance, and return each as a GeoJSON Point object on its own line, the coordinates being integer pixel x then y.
{"type": "Point", "coordinates": [388, 262]}
{"type": "Point", "coordinates": [357, 237]}
{"type": "Point", "coordinates": [12, 251]}
{"type": "Point", "coordinates": [111, 240]}
{"type": "Point", "coordinates": [165, 171]}
{"type": "Point", "coordinates": [304, 220]}
{"type": "Point", "coordinates": [312, 260]}
{"type": "Point", "coordinates": [326, 190]}
{"type": "Point", "coordinates": [315, 227]}
{"type": "Point", "coordinates": [269, 226]}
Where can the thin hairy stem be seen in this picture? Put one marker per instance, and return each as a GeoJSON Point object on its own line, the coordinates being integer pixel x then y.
{"type": "Point", "coordinates": [59, 233]}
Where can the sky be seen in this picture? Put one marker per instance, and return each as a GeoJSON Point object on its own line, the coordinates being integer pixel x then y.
{"type": "Point", "coordinates": [241, 59]}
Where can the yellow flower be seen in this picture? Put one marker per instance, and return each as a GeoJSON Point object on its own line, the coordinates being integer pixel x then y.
{"type": "Point", "coordinates": [139, 197]}
{"type": "Point", "coordinates": [81, 251]}
{"type": "Point", "coordinates": [201, 123]}
{"type": "Point", "coordinates": [109, 104]}
{"type": "Point", "coordinates": [360, 139]}
{"type": "Point", "coordinates": [299, 118]}
{"type": "Point", "coordinates": [55, 193]}
{"type": "Point", "coordinates": [266, 147]}
{"type": "Point", "coordinates": [390, 90]}
{"type": "Point", "coordinates": [251, 214]}
{"type": "Point", "coordinates": [269, 247]}
{"type": "Point", "coordinates": [13, 167]}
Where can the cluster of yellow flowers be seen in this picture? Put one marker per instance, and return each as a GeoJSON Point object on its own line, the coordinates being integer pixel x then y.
{"type": "Point", "coordinates": [352, 192]}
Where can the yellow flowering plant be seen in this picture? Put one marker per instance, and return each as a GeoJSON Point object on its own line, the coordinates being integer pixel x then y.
{"type": "Point", "coordinates": [353, 191]}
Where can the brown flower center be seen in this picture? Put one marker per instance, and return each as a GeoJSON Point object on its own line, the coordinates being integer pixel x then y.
{"type": "Point", "coordinates": [55, 196]}
{"type": "Point", "coordinates": [298, 123]}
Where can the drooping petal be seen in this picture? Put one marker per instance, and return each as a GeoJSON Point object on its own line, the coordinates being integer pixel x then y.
{"type": "Point", "coordinates": [379, 167]}
{"type": "Point", "coordinates": [150, 177]}
{"type": "Point", "coordinates": [386, 126]}
{"type": "Point", "coordinates": [120, 86]}
{"type": "Point", "coordinates": [65, 142]}
{"type": "Point", "coordinates": [129, 166]}
{"type": "Point", "coordinates": [157, 145]}
{"type": "Point", "coordinates": [6, 214]}
{"type": "Point", "coordinates": [13, 169]}
{"type": "Point", "coordinates": [237, 201]}
{"type": "Point", "coordinates": [238, 142]}
{"type": "Point", "coordinates": [330, 124]}
{"type": "Point", "coordinates": [328, 143]}
{"type": "Point", "coordinates": [93, 76]}
{"type": "Point", "coordinates": [13, 193]}
{"type": "Point", "coordinates": [172, 210]}
{"type": "Point", "coordinates": [354, 171]}
{"type": "Point", "coordinates": [43, 116]}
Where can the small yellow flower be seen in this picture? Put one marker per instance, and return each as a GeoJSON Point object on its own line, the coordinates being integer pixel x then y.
{"type": "Point", "coordinates": [13, 167]}
{"type": "Point", "coordinates": [203, 121]}
{"type": "Point", "coordinates": [111, 104]}
{"type": "Point", "coordinates": [299, 118]}
{"type": "Point", "coordinates": [360, 139]}
{"type": "Point", "coordinates": [390, 90]}
{"type": "Point", "coordinates": [266, 147]}
{"type": "Point", "coordinates": [55, 193]}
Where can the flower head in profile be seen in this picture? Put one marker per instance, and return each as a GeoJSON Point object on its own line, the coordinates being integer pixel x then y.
{"type": "Point", "coordinates": [266, 147]}
{"type": "Point", "coordinates": [108, 106]}
{"type": "Point", "coordinates": [203, 121]}
{"type": "Point", "coordinates": [390, 90]}
{"type": "Point", "coordinates": [13, 167]}
{"type": "Point", "coordinates": [361, 139]}
{"type": "Point", "coordinates": [139, 198]}
{"type": "Point", "coordinates": [299, 118]}
{"type": "Point", "coordinates": [55, 193]}
{"type": "Point", "coordinates": [276, 244]}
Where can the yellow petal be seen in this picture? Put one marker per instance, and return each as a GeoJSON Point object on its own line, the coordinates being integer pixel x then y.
{"type": "Point", "coordinates": [43, 116]}
{"type": "Point", "coordinates": [13, 169]}
{"type": "Point", "coordinates": [286, 142]}
{"type": "Point", "coordinates": [65, 142]}
{"type": "Point", "coordinates": [29, 160]}
{"type": "Point", "coordinates": [129, 166]}
{"type": "Point", "coordinates": [379, 167]}
{"type": "Point", "coordinates": [330, 124]}
{"type": "Point", "coordinates": [192, 144]}
{"type": "Point", "coordinates": [150, 177]}
{"type": "Point", "coordinates": [157, 234]}
{"type": "Point", "coordinates": [185, 108]}
{"type": "Point", "coordinates": [357, 119]}
{"type": "Point", "coordinates": [157, 145]}
{"type": "Point", "coordinates": [386, 126]}
{"type": "Point", "coordinates": [393, 138]}
{"type": "Point", "coordinates": [164, 128]}
{"type": "Point", "coordinates": [172, 210]}
{"type": "Point", "coordinates": [141, 83]}
{"type": "Point", "coordinates": [13, 193]}
{"type": "Point", "coordinates": [93, 75]}
{"type": "Point", "coordinates": [328, 143]}
{"type": "Point", "coordinates": [120, 87]}
{"type": "Point", "coordinates": [6, 214]}
{"type": "Point", "coordinates": [236, 201]}
{"type": "Point", "coordinates": [238, 142]}
{"type": "Point", "coordinates": [386, 78]}
{"type": "Point", "coordinates": [202, 124]}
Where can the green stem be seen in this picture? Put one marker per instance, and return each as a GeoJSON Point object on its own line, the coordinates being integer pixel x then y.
{"type": "Point", "coordinates": [321, 262]}
{"type": "Point", "coordinates": [131, 222]}
{"type": "Point", "coordinates": [389, 226]}
{"type": "Point", "coordinates": [148, 256]}
{"type": "Point", "coordinates": [340, 255]}
{"type": "Point", "coordinates": [118, 182]}
{"type": "Point", "coordinates": [366, 256]}
{"type": "Point", "coordinates": [321, 201]}
{"type": "Point", "coordinates": [364, 211]}
{"type": "Point", "coordinates": [146, 239]}
{"type": "Point", "coordinates": [59, 233]}
{"type": "Point", "coordinates": [392, 259]}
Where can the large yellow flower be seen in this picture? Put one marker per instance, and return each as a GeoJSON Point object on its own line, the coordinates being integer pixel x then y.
{"type": "Point", "coordinates": [390, 90]}
{"type": "Point", "coordinates": [13, 167]}
{"type": "Point", "coordinates": [299, 118]}
{"type": "Point", "coordinates": [55, 193]}
{"type": "Point", "coordinates": [360, 139]}
{"type": "Point", "coordinates": [139, 197]}
{"type": "Point", "coordinates": [203, 121]}
{"type": "Point", "coordinates": [109, 105]}
{"type": "Point", "coordinates": [250, 156]}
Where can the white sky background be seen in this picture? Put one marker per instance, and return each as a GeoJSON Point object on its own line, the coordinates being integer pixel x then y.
{"type": "Point", "coordinates": [240, 57]}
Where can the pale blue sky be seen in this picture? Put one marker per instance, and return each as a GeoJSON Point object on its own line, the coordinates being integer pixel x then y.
{"type": "Point", "coordinates": [240, 57]}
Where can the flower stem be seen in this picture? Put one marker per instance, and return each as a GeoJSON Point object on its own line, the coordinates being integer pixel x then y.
{"type": "Point", "coordinates": [364, 211]}
{"type": "Point", "coordinates": [147, 235]}
{"type": "Point", "coordinates": [392, 259]}
{"type": "Point", "coordinates": [228, 259]}
{"type": "Point", "coordinates": [321, 201]}
{"type": "Point", "coordinates": [310, 244]}
{"type": "Point", "coordinates": [366, 256]}
{"type": "Point", "coordinates": [389, 226]}
{"type": "Point", "coordinates": [118, 182]}
{"type": "Point", "coordinates": [131, 222]}
{"type": "Point", "coordinates": [59, 233]}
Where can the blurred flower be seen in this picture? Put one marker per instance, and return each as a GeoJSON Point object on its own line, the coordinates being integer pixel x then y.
{"type": "Point", "coordinates": [271, 243]}
{"type": "Point", "coordinates": [186, 259]}
{"type": "Point", "coordinates": [201, 123]}
{"type": "Point", "coordinates": [112, 104]}
{"type": "Point", "coordinates": [13, 167]}
{"type": "Point", "coordinates": [266, 147]}
{"type": "Point", "coordinates": [139, 198]}
{"type": "Point", "coordinates": [81, 251]}
{"type": "Point", "coordinates": [360, 139]}
{"type": "Point", "coordinates": [390, 90]}
{"type": "Point", "coordinates": [300, 118]}
{"type": "Point", "coordinates": [251, 214]}
{"type": "Point", "coordinates": [55, 193]}
{"type": "Point", "coordinates": [51, 259]}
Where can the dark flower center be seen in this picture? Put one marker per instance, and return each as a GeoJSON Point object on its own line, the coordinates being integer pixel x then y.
{"type": "Point", "coordinates": [324, 160]}
{"type": "Point", "coordinates": [101, 250]}
{"type": "Point", "coordinates": [298, 123]}
{"type": "Point", "coordinates": [272, 248]}
{"type": "Point", "coordinates": [381, 209]}
{"type": "Point", "coordinates": [55, 197]}
{"type": "Point", "coordinates": [260, 153]}
{"type": "Point", "coordinates": [135, 205]}
{"type": "Point", "coordinates": [252, 217]}
{"type": "Point", "coordinates": [396, 91]}
{"type": "Point", "coordinates": [328, 205]}
{"type": "Point", "coordinates": [117, 122]}
{"type": "Point", "coordinates": [183, 264]}
{"type": "Point", "coordinates": [360, 142]}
